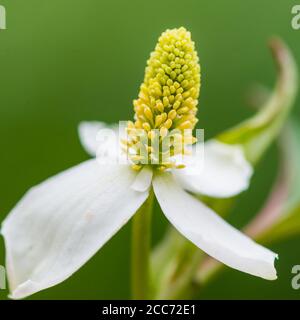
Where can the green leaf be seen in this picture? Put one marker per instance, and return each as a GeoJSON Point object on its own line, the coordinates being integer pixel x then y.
{"type": "Point", "coordinates": [258, 132]}
{"type": "Point", "coordinates": [288, 221]}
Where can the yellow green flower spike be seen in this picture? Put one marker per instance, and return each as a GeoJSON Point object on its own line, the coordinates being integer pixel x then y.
{"type": "Point", "coordinates": [167, 101]}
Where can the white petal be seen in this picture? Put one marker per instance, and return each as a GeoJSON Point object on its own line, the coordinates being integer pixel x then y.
{"type": "Point", "coordinates": [88, 134]}
{"type": "Point", "coordinates": [224, 172]}
{"type": "Point", "coordinates": [209, 232]}
{"type": "Point", "coordinates": [143, 180]}
{"type": "Point", "coordinates": [63, 222]}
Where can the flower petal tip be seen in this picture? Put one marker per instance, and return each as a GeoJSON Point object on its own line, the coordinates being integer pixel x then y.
{"type": "Point", "coordinates": [24, 290]}
{"type": "Point", "coordinates": [270, 273]}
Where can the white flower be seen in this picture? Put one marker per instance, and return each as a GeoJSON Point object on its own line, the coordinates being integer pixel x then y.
{"type": "Point", "coordinates": [60, 224]}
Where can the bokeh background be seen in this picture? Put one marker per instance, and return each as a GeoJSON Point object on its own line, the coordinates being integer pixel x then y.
{"type": "Point", "coordinates": [63, 61]}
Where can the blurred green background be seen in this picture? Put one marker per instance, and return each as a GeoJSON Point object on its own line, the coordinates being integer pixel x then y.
{"type": "Point", "coordinates": [63, 61]}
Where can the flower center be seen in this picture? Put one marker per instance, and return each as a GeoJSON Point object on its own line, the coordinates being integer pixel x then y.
{"type": "Point", "coordinates": [166, 108]}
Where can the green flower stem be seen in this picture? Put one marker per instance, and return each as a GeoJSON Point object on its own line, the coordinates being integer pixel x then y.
{"type": "Point", "coordinates": [141, 247]}
{"type": "Point", "coordinates": [181, 285]}
{"type": "Point", "coordinates": [174, 263]}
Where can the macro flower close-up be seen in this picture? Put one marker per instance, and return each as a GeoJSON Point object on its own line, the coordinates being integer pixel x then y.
{"type": "Point", "coordinates": [172, 188]}
{"type": "Point", "coordinates": [79, 210]}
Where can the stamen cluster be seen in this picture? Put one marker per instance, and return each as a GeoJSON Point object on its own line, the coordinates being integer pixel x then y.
{"type": "Point", "coordinates": [166, 108]}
